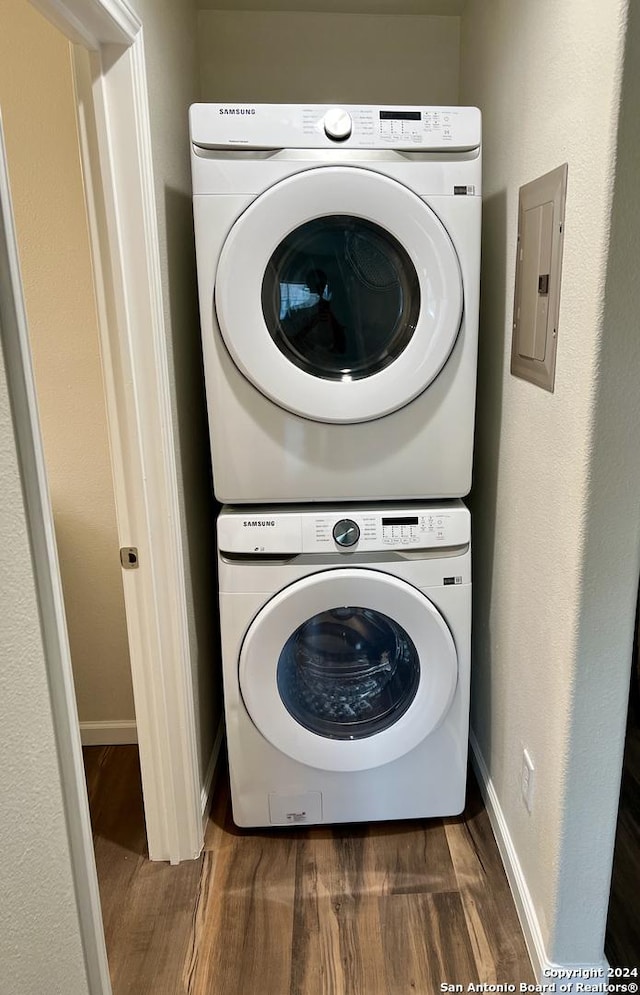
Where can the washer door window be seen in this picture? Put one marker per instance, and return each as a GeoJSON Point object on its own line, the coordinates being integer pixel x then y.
{"type": "Point", "coordinates": [340, 298]}
{"type": "Point", "coordinates": [339, 294]}
{"type": "Point", "coordinates": [348, 673]}
{"type": "Point", "coordinates": [348, 669]}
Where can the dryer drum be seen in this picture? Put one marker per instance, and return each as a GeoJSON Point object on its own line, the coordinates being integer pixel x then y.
{"type": "Point", "coordinates": [340, 297]}
{"type": "Point", "coordinates": [370, 264]}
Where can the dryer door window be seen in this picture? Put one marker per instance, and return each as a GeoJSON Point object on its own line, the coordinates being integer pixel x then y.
{"type": "Point", "coordinates": [348, 673]}
{"type": "Point", "coordinates": [338, 294]}
{"type": "Point", "coordinates": [348, 669]}
{"type": "Point", "coordinates": [341, 297]}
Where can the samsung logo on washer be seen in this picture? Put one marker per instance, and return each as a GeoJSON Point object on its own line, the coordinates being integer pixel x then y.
{"type": "Point", "coordinates": [261, 524]}
{"type": "Point", "coordinates": [236, 110]}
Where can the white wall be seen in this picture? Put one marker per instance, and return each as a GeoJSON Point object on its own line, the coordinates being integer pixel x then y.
{"type": "Point", "coordinates": [612, 545]}
{"type": "Point", "coordinates": [289, 57]}
{"type": "Point", "coordinates": [40, 945]}
{"type": "Point", "coordinates": [556, 522]}
{"type": "Point", "coordinates": [170, 31]}
{"type": "Point", "coordinates": [38, 106]}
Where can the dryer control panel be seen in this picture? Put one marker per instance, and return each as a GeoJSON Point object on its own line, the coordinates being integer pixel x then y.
{"type": "Point", "coordinates": [362, 528]}
{"type": "Point", "coordinates": [414, 128]}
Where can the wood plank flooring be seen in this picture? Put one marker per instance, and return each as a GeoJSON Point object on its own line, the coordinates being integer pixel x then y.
{"type": "Point", "coordinates": [622, 944]}
{"type": "Point", "coordinates": [147, 906]}
{"type": "Point", "coordinates": [381, 909]}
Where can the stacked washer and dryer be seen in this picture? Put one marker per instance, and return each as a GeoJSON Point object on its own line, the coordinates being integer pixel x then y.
{"type": "Point", "coordinates": [338, 255]}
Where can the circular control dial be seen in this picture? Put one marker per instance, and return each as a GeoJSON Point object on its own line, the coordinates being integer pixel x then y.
{"type": "Point", "coordinates": [346, 532]}
{"type": "Point", "coordinates": [337, 124]}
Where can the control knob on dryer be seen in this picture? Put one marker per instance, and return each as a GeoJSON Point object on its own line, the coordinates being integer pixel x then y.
{"type": "Point", "coordinates": [337, 124]}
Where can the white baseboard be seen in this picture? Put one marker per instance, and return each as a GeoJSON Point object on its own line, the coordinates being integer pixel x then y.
{"type": "Point", "coordinates": [567, 975]}
{"type": "Point", "coordinates": [209, 780]}
{"type": "Point", "coordinates": [108, 733]}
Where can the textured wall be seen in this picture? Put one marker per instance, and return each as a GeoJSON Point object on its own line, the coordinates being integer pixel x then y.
{"type": "Point", "coordinates": [36, 95]}
{"type": "Point", "coordinates": [612, 547]}
{"type": "Point", "coordinates": [40, 946]}
{"type": "Point", "coordinates": [319, 57]}
{"type": "Point", "coordinates": [172, 73]}
{"type": "Point", "coordinates": [554, 554]}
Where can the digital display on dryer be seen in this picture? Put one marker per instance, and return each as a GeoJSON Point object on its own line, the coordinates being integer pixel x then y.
{"type": "Point", "coordinates": [399, 521]}
{"type": "Point", "coordinates": [399, 115]}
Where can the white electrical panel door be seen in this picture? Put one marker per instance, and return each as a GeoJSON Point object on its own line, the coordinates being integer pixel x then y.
{"type": "Point", "coordinates": [538, 271]}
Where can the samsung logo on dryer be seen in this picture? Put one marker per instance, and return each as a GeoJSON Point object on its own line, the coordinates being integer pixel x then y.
{"type": "Point", "coordinates": [261, 524]}
{"type": "Point", "coordinates": [236, 110]}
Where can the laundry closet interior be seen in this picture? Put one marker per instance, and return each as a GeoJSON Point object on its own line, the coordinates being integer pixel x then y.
{"type": "Point", "coordinates": [553, 602]}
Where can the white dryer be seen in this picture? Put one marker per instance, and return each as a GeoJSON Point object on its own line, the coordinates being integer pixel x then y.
{"type": "Point", "coordinates": [338, 255]}
{"type": "Point", "coordinates": [345, 646]}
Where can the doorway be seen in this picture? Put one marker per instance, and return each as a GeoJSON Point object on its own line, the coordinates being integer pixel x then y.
{"type": "Point", "coordinates": [39, 114]}
{"type": "Point", "coordinates": [169, 667]}
{"type": "Point", "coordinates": [158, 503]}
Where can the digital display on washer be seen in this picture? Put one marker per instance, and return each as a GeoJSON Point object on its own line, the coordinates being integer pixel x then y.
{"type": "Point", "coordinates": [399, 521]}
{"type": "Point", "coordinates": [399, 115]}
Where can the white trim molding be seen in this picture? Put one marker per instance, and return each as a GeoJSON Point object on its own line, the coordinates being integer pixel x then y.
{"type": "Point", "coordinates": [109, 733]}
{"type": "Point", "coordinates": [141, 433]}
{"type": "Point", "coordinates": [92, 23]}
{"type": "Point", "coordinates": [545, 970]}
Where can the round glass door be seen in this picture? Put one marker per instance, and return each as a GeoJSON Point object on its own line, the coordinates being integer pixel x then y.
{"type": "Point", "coordinates": [347, 669]}
{"type": "Point", "coordinates": [348, 673]}
{"type": "Point", "coordinates": [340, 297]}
{"type": "Point", "coordinates": [338, 294]}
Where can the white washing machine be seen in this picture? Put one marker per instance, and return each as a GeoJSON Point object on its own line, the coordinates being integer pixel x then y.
{"type": "Point", "coordinates": [338, 254]}
{"type": "Point", "coordinates": [345, 645]}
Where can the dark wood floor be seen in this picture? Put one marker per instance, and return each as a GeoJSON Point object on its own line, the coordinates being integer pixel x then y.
{"type": "Point", "coordinates": [622, 945]}
{"type": "Point", "coordinates": [381, 909]}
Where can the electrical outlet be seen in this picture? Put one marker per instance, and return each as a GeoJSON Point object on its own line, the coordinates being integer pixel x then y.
{"type": "Point", "coordinates": [526, 779]}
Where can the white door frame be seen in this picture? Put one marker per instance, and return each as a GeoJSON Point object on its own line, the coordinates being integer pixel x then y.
{"type": "Point", "coordinates": [115, 140]}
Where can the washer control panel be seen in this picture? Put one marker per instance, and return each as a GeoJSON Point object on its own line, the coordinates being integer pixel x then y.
{"type": "Point", "coordinates": [362, 529]}
{"type": "Point", "coordinates": [394, 530]}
